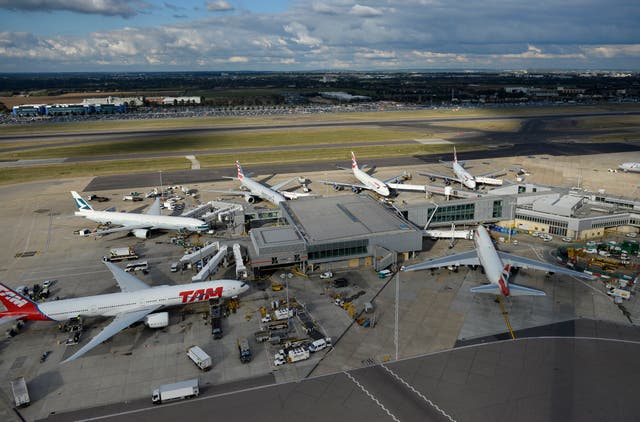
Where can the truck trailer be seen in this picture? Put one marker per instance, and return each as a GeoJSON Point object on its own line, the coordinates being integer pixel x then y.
{"type": "Point", "coordinates": [199, 357]}
{"type": "Point", "coordinates": [118, 254]}
{"type": "Point", "coordinates": [176, 391]}
{"type": "Point", "coordinates": [20, 392]}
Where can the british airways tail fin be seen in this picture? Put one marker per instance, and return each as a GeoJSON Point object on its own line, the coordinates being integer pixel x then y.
{"type": "Point", "coordinates": [240, 171]}
{"type": "Point", "coordinates": [354, 163]}
{"type": "Point", "coordinates": [455, 155]}
{"type": "Point", "coordinates": [80, 202]}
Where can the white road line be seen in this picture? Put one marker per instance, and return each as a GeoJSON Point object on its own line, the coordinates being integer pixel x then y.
{"type": "Point", "coordinates": [371, 396]}
{"type": "Point", "coordinates": [410, 387]}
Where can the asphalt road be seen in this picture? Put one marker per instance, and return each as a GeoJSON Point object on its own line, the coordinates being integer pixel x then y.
{"type": "Point", "coordinates": [551, 379]}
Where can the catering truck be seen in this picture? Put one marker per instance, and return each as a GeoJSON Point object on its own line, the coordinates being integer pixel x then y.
{"type": "Point", "coordinates": [199, 357]}
{"type": "Point", "coordinates": [118, 254]}
{"type": "Point", "coordinates": [20, 392]}
{"type": "Point", "coordinates": [176, 391]}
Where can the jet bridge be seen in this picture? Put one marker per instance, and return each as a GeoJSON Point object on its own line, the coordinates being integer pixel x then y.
{"type": "Point", "coordinates": [213, 210]}
{"type": "Point", "coordinates": [212, 266]}
{"type": "Point", "coordinates": [241, 269]}
{"type": "Point", "coordinates": [200, 254]}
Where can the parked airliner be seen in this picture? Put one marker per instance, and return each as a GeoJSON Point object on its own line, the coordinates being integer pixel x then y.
{"type": "Point", "coordinates": [136, 302]}
{"type": "Point", "coordinates": [632, 167]}
{"type": "Point", "coordinates": [368, 182]}
{"type": "Point", "coordinates": [138, 224]}
{"type": "Point", "coordinates": [497, 266]}
{"type": "Point", "coordinates": [463, 177]}
{"type": "Point", "coordinates": [256, 190]}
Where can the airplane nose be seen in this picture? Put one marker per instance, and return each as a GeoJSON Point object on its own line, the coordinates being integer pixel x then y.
{"type": "Point", "coordinates": [384, 191]}
{"type": "Point", "coordinates": [472, 184]}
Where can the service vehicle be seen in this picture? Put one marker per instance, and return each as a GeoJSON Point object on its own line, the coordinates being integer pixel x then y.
{"type": "Point", "coordinates": [216, 322]}
{"type": "Point", "coordinates": [97, 198]}
{"type": "Point", "coordinates": [199, 357]}
{"type": "Point", "coordinates": [48, 283]}
{"type": "Point", "coordinates": [244, 350]}
{"type": "Point", "coordinates": [119, 254]}
{"type": "Point", "coordinates": [283, 313]}
{"type": "Point", "coordinates": [131, 198]}
{"type": "Point", "coordinates": [175, 266]}
{"type": "Point", "coordinates": [384, 274]}
{"type": "Point", "coordinates": [261, 336]}
{"type": "Point", "coordinates": [20, 392]}
{"type": "Point", "coordinates": [176, 391]}
{"type": "Point", "coordinates": [320, 344]}
{"type": "Point", "coordinates": [327, 274]}
{"type": "Point", "coordinates": [137, 266]}
{"type": "Point", "coordinates": [297, 354]}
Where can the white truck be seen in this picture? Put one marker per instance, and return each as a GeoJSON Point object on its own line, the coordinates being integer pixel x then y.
{"type": "Point", "coordinates": [199, 357]}
{"type": "Point", "coordinates": [20, 392]}
{"type": "Point", "coordinates": [283, 313]}
{"type": "Point", "coordinates": [297, 354]}
{"type": "Point", "coordinates": [176, 391]}
{"type": "Point", "coordinates": [118, 254]}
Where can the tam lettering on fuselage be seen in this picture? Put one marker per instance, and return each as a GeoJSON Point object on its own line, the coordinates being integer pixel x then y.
{"type": "Point", "coordinates": [12, 297]}
{"type": "Point", "coordinates": [189, 296]}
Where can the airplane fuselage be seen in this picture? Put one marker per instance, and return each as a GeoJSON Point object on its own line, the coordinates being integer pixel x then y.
{"type": "Point", "coordinates": [489, 259]}
{"type": "Point", "coordinates": [165, 222]}
{"type": "Point", "coordinates": [632, 167]}
{"type": "Point", "coordinates": [112, 304]}
{"type": "Point", "coordinates": [464, 176]}
{"type": "Point", "coordinates": [261, 191]}
{"type": "Point", "coordinates": [378, 186]}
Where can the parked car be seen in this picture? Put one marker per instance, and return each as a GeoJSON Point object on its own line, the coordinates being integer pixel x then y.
{"type": "Point", "coordinates": [535, 234]}
{"type": "Point", "coordinates": [567, 239]}
{"type": "Point", "coordinates": [327, 274]}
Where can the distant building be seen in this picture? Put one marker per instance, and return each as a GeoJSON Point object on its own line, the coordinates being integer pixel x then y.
{"type": "Point", "coordinates": [28, 110]}
{"type": "Point", "coordinates": [181, 100]}
{"type": "Point", "coordinates": [343, 96]}
{"type": "Point", "coordinates": [130, 101]}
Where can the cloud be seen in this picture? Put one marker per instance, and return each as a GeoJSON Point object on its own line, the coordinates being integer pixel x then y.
{"type": "Point", "coordinates": [219, 6]}
{"type": "Point", "coordinates": [172, 6]}
{"type": "Point", "coordinates": [123, 8]}
{"type": "Point", "coordinates": [365, 11]}
{"type": "Point", "coordinates": [341, 34]}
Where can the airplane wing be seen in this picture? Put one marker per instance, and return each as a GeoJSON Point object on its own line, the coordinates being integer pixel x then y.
{"type": "Point", "coordinates": [155, 208]}
{"type": "Point", "coordinates": [397, 179]}
{"type": "Point", "coordinates": [501, 172]}
{"type": "Point", "coordinates": [121, 229]}
{"type": "Point", "coordinates": [8, 319]}
{"type": "Point", "coordinates": [127, 282]}
{"type": "Point", "coordinates": [119, 323]}
{"type": "Point", "coordinates": [520, 262]}
{"type": "Point", "coordinates": [347, 185]}
{"type": "Point", "coordinates": [283, 184]}
{"type": "Point", "coordinates": [463, 258]}
{"type": "Point", "coordinates": [439, 176]}
{"type": "Point", "coordinates": [231, 192]}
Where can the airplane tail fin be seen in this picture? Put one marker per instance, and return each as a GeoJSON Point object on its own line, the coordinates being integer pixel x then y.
{"type": "Point", "coordinates": [80, 202]}
{"type": "Point", "coordinates": [354, 163]}
{"type": "Point", "coordinates": [455, 155]}
{"type": "Point", "coordinates": [15, 302]}
{"type": "Point", "coordinates": [240, 171]}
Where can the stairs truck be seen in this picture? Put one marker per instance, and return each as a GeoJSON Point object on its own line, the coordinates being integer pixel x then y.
{"type": "Point", "coordinates": [20, 392]}
{"type": "Point", "coordinates": [199, 357]}
{"type": "Point", "coordinates": [176, 391]}
{"type": "Point", "coordinates": [119, 254]}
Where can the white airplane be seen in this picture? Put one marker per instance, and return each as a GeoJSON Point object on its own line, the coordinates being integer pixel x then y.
{"type": "Point", "coordinates": [497, 266]}
{"type": "Point", "coordinates": [256, 190]}
{"type": "Point", "coordinates": [138, 224]}
{"type": "Point", "coordinates": [137, 302]}
{"type": "Point", "coordinates": [368, 182]}
{"type": "Point", "coordinates": [632, 167]}
{"type": "Point", "coordinates": [463, 177]}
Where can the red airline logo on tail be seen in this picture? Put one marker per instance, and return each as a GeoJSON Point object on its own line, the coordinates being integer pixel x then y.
{"type": "Point", "coordinates": [240, 172]}
{"type": "Point", "coordinates": [354, 163]}
{"type": "Point", "coordinates": [19, 305]}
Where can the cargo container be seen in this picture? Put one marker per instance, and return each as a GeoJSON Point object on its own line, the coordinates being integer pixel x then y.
{"type": "Point", "coordinates": [199, 357]}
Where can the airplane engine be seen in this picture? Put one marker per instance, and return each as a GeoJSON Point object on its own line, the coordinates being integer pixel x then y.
{"type": "Point", "coordinates": [447, 182]}
{"type": "Point", "coordinates": [141, 233]}
{"type": "Point", "coordinates": [157, 320]}
{"type": "Point", "coordinates": [355, 189]}
{"type": "Point", "coordinates": [337, 187]}
{"type": "Point", "coordinates": [431, 178]}
{"type": "Point", "coordinates": [250, 199]}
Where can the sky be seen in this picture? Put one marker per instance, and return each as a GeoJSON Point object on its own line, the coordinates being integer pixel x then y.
{"type": "Point", "coordinates": [330, 35]}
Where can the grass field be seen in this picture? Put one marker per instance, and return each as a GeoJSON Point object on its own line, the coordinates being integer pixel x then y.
{"type": "Point", "coordinates": [189, 143]}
